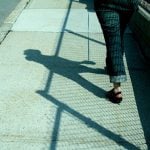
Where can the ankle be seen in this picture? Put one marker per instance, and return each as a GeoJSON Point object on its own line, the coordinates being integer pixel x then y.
{"type": "Point", "coordinates": [117, 87]}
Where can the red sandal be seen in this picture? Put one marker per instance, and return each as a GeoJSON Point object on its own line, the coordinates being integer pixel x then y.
{"type": "Point", "coordinates": [113, 97]}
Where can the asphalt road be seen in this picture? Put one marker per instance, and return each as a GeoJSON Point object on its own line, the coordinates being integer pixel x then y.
{"type": "Point", "coordinates": [6, 7]}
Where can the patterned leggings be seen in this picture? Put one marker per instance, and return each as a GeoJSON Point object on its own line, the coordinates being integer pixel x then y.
{"type": "Point", "coordinates": [113, 23]}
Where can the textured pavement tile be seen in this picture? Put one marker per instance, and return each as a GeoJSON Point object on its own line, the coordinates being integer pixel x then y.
{"type": "Point", "coordinates": [57, 20]}
{"type": "Point", "coordinates": [61, 4]}
{"type": "Point", "coordinates": [52, 20]}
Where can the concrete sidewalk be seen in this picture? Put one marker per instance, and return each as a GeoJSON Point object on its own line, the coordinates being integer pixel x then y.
{"type": "Point", "coordinates": [53, 83]}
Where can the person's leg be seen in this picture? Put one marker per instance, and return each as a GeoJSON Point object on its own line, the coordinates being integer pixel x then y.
{"type": "Point", "coordinates": [114, 24]}
{"type": "Point", "coordinates": [125, 17]}
{"type": "Point", "coordinates": [110, 23]}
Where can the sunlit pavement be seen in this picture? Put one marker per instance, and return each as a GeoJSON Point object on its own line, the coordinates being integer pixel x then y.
{"type": "Point", "coordinates": [53, 84]}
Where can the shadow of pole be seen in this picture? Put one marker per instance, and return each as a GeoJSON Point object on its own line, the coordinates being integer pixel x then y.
{"type": "Point", "coordinates": [56, 128]}
{"type": "Point", "coordinates": [49, 81]}
{"type": "Point", "coordinates": [87, 121]}
{"type": "Point", "coordinates": [89, 39]}
{"type": "Point", "coordinates": [50, 76]}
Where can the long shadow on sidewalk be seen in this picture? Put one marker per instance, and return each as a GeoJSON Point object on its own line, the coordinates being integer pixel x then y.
{"type": "Point", "coordinates": [68, 68]}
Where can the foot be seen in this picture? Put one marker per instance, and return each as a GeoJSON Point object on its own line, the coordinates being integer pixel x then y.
{"type": "Point", "coordinates": [114, 96]}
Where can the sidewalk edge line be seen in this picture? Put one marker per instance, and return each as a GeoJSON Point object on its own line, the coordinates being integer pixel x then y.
{"type": "Point", "coordinates": [5, 28]}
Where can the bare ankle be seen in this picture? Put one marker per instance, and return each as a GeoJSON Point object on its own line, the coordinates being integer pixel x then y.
{"type": "Point", "coordinates": [117, 87]}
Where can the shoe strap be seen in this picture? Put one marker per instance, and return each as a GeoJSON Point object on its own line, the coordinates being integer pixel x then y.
{"type": "Point", "coordinates": [117, 93]}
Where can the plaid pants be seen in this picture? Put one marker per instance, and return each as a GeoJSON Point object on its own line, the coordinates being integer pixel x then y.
{"type": "Point", "coordinates": [113, 23]}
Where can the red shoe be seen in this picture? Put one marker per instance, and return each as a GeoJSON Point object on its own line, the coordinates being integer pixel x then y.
{"type": "Point", "coordinates": [113, 96]}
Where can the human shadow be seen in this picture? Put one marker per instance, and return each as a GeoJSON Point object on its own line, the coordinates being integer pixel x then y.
{"type": "Point", "coordinates": [68, 69]}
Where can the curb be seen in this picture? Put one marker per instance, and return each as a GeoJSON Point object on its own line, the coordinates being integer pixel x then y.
{"type": "Point", "coordinates": [5, 28]}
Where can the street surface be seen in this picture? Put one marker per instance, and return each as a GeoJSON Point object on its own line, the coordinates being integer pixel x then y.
{"type": "Point", "coordinates": [6, 7]}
